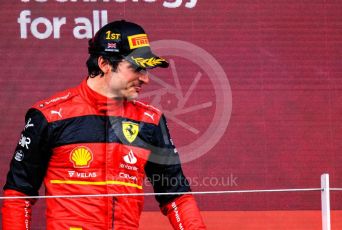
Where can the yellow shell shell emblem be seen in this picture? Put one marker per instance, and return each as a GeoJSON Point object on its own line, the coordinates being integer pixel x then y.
{"type": "Point", "coordinates": [130, 130]}
{"type": "Point", "coordinates": [81, 157]}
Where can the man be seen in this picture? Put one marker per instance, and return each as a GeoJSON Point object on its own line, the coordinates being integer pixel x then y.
{"type": "Point", "coordinates": [96, 139]}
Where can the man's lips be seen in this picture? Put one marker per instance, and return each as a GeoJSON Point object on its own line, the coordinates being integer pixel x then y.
{"type": "Point", "coordinates": [137, 88]}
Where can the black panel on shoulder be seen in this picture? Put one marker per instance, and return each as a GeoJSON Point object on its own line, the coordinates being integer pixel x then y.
{"type": "Point", "coordinates": [163, 168]}
{"type": "Point", "coordinates": [31, 156]}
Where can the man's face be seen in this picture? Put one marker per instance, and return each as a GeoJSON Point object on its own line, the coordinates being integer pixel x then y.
{"type": "Point", "coordinates": [126, 82]}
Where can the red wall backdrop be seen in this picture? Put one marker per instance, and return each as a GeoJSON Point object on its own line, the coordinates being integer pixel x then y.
{"type": "Point", "coordinates": [253, 95]}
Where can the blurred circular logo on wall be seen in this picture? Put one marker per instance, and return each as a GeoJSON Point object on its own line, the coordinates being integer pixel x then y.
{"type": "Point", "coordinates": [194, 94]}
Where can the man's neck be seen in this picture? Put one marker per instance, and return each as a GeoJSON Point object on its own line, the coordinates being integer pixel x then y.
{"type": "Point", "coordinates": [99, 85]}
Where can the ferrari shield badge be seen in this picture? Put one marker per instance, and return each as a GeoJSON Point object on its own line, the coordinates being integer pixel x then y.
{"type": "Point", "coordinates": [130, 130]}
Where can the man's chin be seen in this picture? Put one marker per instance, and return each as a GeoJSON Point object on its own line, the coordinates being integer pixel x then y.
{"type": "Point", "coordinates": [132, 97]}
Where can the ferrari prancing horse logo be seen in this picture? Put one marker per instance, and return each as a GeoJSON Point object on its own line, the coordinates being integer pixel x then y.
{"type": "Point", "coordinates": [130, 130]}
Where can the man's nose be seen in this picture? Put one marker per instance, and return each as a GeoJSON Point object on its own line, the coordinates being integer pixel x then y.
{"type": "Point", "coordinates": [144, 77]}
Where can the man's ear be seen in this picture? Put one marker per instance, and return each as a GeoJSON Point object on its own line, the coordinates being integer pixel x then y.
{"type": "Point", "coordinates": [103, 65]}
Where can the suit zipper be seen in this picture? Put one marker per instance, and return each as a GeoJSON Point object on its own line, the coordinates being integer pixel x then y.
{"type": "Point", "coordinates": [113, 210]}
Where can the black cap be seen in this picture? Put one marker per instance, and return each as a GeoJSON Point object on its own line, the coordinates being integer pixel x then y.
{"type": "Point", "coordinates": [125, 40]}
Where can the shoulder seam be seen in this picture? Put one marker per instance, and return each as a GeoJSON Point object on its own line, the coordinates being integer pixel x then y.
{"type": "Point", "coordinates": [55, 100]}
{"type": "Point", "coordinates": [147, 106]}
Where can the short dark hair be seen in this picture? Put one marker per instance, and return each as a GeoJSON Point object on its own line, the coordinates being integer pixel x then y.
{"type": "Point", "coordinates": [93, 67]}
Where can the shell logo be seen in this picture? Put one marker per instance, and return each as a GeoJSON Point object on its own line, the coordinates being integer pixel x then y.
{"type": "Point", "coordinates": [81, 157]}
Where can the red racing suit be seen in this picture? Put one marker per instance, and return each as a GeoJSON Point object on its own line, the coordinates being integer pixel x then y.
{"type": "Point", "coordinates": [81, 143]}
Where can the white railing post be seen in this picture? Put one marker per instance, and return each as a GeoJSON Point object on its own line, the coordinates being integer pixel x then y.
{"type": "Point", "coordinates": [325, 198]}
